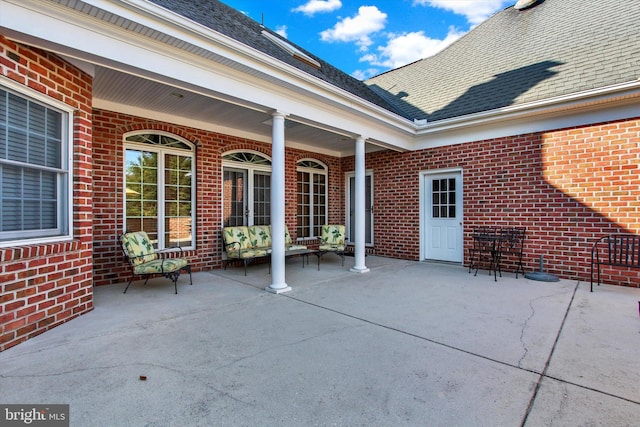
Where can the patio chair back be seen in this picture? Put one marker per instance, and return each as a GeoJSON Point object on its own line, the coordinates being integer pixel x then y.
{"type": "Point", "coordinates": [137, 247]}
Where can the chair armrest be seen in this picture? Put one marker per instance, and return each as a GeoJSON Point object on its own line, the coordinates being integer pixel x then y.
{"type": "Point", "coordinates": [132, 259]}
{"type": "Point", "coordinates": [226, 245]}
{"type": "Point", "coordinates": [233, 249]}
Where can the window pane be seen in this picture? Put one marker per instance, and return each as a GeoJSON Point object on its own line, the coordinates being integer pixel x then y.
{"type": "Point", "coordinates": [184, 209]}
{"type": "Point", "coordinates": [133, 209]}
{"type": "Point", "coordinates": [178, 232]}
{"type": "Point", "coordinates": [49, 189]}
{"type": "Point", "coordinates": [11, 215]}
{"type": "Point", "coordinates": [49, 214]}
{"type": "Point", "coordinates": [11, 182]}
{"type": "Point", "coordinates": [171, 192]}
{"type": "Point", "coordinates": [150, 191]}
{"type": "Point", "coordinates": [31, 215]}
{"type": "Point", "coordinates": [17, 145]}
{"type": "Point", "coordinates": [17, 111]}
{"type": "Point", "coordinates": [31, 184]}
{"type": "Point", "coordinates": [37, 154]}
{"type": "Point", "coordinates": [150, 208]}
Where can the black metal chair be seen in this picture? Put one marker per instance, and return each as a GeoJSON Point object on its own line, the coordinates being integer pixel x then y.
{"type": "Point", "coordinates": [512, 244]}
{"type": "Point", "coordinates": [144, 260]}
{"type": "Point", "coordinates": [485, 249]}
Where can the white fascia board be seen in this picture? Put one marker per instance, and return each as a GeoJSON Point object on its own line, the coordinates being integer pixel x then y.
{"type": "Point", "coordinates": [289, 89]}
{"type": "Point", "coordinates": [578, 109]}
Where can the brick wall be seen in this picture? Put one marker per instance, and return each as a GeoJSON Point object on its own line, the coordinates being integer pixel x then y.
{"type": "Point", "coordinates": [568, 187]}
{"type": "Point", "coordinates": [43, 286]}
{"type": "Point", "coordinates": [108, 160]}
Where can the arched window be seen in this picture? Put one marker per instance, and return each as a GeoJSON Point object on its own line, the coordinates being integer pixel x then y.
{"type": "Point", "coordinates": [312, 198]}
{"type": "Point", "coordinates": [159, 188]}
{"type": "Point", "coordinates": [246, 188]}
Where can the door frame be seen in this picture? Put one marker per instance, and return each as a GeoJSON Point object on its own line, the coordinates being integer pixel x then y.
{"type": "Point", "coordinates": [425, 208]}
{"type": "Point", "coordinates": [250, 170]}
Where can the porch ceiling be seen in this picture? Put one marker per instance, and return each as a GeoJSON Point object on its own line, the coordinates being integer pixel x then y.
{"type": "Point", "coordinates": [178, 103]}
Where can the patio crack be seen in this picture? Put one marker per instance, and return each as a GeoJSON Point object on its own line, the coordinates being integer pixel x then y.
{"type": "Point", "coordinates": [543, 374]}
{"type": "Point", "coordinates": [522, 333]}
{"type": "Point", "coordinates": [525, 325]}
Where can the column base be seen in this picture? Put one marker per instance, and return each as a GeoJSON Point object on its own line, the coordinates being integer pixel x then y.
{"type": "Point", "coordinates": [286, 288]}
{"type": "Point", "coordinates": [359, 270]}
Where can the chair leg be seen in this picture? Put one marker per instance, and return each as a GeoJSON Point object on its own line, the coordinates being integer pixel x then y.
{"type": "Point", "coordinates": [188, 268]}
{"type": "Point", "coordinates": [520, 267]}
{"type": "Point", "coordinates": [174, 275]}
{"type": "Point", "coordinates": [128, 284]}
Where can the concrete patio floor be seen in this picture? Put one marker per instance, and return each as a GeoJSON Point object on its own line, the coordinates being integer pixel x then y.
{"type": "Point", "coordinates": [408, 343]}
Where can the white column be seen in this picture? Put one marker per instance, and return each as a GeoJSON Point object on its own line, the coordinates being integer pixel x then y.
{"type": "Point", "coordinates": [278, 283]}
{"type": "Point", "coordinates": [360, 209]}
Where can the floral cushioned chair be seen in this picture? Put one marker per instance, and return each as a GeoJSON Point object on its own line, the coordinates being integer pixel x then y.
{"type": "Point", "coordinates": [332, 240]}
{"type": "Point", "coordinates": [144, 260]}
{"type": "Point", "coordinates": [242, 245]}
{"type": "Point", "coordinates": [249, 242]}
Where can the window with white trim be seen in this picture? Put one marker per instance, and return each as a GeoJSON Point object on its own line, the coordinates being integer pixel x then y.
{"type": "Point", "coordinates": [35, 176]}
{"type": "Point", "coordinates": [159, 188]}
{"type": "Point", "coordinates": [312, 198]}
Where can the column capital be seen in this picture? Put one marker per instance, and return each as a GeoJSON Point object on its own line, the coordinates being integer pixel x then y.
{"type": "Point", "coordinates": [278, 113]}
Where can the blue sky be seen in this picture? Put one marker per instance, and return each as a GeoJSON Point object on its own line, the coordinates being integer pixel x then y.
{"type": "Point", "coordinates": [367, 37]}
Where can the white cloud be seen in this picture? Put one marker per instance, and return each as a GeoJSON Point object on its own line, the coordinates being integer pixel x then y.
{"type": "Point", "coordinates": [357, 28]}
{"type": "Point", "coordinates": [475, 11]}
{"type": "Point", "coordinates": [402, 49]}
{"type": "Point", "coordinates": [282, 30]}
{"type": "Point", "coordinates": [318, 6]}
{"type": "Point", "coordinates": [365, 74]}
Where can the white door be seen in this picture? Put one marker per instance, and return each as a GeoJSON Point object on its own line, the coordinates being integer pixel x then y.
{"type": "Point", "coordinates": [443, 216]}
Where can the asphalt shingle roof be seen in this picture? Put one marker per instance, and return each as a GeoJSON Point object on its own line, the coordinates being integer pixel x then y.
{"type": "Point", "coordinates": [233, 23]}
{"type": "Point", "coordinates": [557, 47]}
